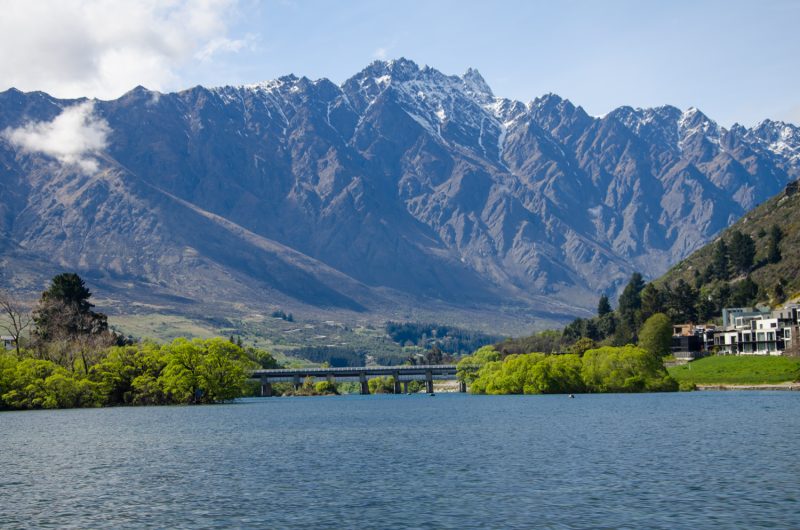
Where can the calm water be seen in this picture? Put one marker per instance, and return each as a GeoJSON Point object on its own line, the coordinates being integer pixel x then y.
{"type": "Point", "coordinates": [694, 460]}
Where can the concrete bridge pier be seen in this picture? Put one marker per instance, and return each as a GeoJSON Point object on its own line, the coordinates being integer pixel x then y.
{"type": "Point", "coordinates": [429, 381]}
{"type": "Point", "coordinates": [266, 388]}
{"type": "Point", "coordinates": [364, 385]}
{"type": "Point", "coordinates": [462, 386]}
{"type": "Point", "coordinates": [297, 383]}
{"type": "Point", "coordinates": [396, 377]}
{"type": "Point", "coordinates": [405, 387]}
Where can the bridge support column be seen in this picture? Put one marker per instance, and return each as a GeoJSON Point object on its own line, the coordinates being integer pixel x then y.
{"type": "Point", "coordinates": [297, 383]}
{"type": "Point", "coordinates": [266, 388]}
{"type": "Point", "coordinates": [429, 382]}
{"type": "Point", "coordinates": [364, 385]}
{"type": "Point", "coordinates": [396, 377]}
{"type": "Point", "coordinates": [462, 386]}
{"type": "Point", "coordinates": [405, 387]}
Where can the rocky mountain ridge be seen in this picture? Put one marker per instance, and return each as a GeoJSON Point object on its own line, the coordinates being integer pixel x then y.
{"type": "Point", "coordinates": [402, 190]}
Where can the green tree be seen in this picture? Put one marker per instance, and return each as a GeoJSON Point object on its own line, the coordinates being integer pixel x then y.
{"type": "Point", "coordinates": [574, 330]}
{"type": "Point", "coordinates": [326, 387]}
{"type": "Point", "coordinates": [682, 302]}
{"type": "Point", "coordinates": [743, 293]}
{"type": "Point", "coordinates": [720, 266]}
{"type": "Point", "coordinates": [468, 367]}
{"type": "Point", "coordinates": [120, 369]}
{"type": "Point", "coordinates": [581, 346]}
{"type": "Point", "coordinates": [180, 378]}
{"type": "Point", "coordinates": [624, 369]}
{"type": "Point", "coordinates": [778, 291]}
{"type": "Point", "coordinates": [381, 385]}
{"type": "Point", "coordinates": [705, 307]}
{"type": "Point", "coordinates": [656, 335]}
{"type": "Point", "coordinates": [64, 310]}
{"type": "Point", "coordinates": [223, 372]}
{"type": "Point", "coordinates": [204, 371]}
{"type": "Point", "coordinates": [554, 374]}
{"type": "Point", "coordinates": [629, 310]}
{"type": "Point", "coordinates": [774, 249]}
{"type": "Point", "coordinates": [624, 333]}
{"type": "Point", "coordinates": [603, 306]}
{"type": "Point", "coordinates": [652, 301]}
{"type": "Point", "coordinates": [630, 300]}
{"type": "Point", "coordinates": [606, 325]}
{"type": "Point", "coordinates": [742, 251]}
{"type": "Point", "coordinates": [37, 383]}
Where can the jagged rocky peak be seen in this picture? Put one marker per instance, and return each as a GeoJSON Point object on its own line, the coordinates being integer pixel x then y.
{"type": "Point", "coordinates": [551, 103]}
{"type": "Point", "coordinates": [552, 112]}
{"type": "Point", "coordinates": [401, 69]}
{"type": "Point", "coordinates": [773, 131]}
{"type": "Point", "coordinates": [693, 120]}
{"type": "Point", "coordinates": [475, 85]}
{"type": "Point", "coordinates": [661, 121]}
{"type": "Point", "coordinates": [778, 137]}
{"type": "Point", "coordinates": [547, 101]}
{"type": "Point", "coordinates": [536, 203]}
{"type": "Point", "coordinates": [273, 85]}
{"type": "Point", "coordinates": [693, 124]}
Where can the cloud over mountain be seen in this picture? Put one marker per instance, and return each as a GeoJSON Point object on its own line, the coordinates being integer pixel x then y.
{"type": "Point", "coordinates": [72, 138]}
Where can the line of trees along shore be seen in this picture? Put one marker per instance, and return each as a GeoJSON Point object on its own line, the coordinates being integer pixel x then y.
{"type": "Point", "coordinates": [619, 350]}
{"type": "Point", "coordinates": [73, 359]}
{"type": "Point", "coordinates": [606, 369]}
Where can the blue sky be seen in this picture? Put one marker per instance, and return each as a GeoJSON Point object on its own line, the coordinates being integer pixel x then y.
{"type": "Point", "coordinates": [735, 60]}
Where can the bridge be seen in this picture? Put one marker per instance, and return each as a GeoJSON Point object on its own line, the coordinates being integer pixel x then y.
{"type": "Point", "coordinates": [362, 374]}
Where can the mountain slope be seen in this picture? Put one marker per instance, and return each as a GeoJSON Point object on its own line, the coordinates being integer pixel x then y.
{"type": "Point", "coordinates": [401, 192]}
{"type": "Point", "coordinates": [782, 211]}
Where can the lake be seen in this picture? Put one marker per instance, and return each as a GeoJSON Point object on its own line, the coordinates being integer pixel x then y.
{"type": "Point", "coordinates": [688, 460]}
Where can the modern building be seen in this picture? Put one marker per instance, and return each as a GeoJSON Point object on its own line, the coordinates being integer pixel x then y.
{"type": "Point", "coordinates": [755, 332]}
{"type": "Point", "coordinates": [690, 341]}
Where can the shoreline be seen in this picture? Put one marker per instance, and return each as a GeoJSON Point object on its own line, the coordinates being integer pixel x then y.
{"type": "Point", "coordinates": [788, 386]}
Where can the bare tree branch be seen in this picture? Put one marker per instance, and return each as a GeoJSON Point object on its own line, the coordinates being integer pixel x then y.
{"type": "Point", "coordinates": [18, 317]}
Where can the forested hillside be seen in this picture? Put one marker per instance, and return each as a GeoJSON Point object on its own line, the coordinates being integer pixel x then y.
{"type": "Point", "coordinates": [756, 260]}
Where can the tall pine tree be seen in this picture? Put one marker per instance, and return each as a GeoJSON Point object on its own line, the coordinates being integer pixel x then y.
{"type": "Point", "coordinates": [719, 261]}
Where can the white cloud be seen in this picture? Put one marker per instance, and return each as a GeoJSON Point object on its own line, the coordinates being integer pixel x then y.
{"type": "Point", "coordinates": [103, 48]}
{"type": "Point", "coordinates": [380, 53]}
{"type": "Point", "coordinates": [72, 138]}
{"type": "Point", "coordinates": [223, 44]}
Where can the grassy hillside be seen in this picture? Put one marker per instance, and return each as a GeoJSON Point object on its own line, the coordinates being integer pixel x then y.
{"type": "Point", "coordinates": [743, 370]}
{"type": "Point", "coordinates": [783, 211]}
{"type": "Point", "coordinates": [285, 340]}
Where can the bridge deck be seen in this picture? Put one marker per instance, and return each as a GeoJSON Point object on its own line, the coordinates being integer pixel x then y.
{"type": "Point", "coordinates": [357, 371]}
{"type": "Point", "coordinates": [401, 374]}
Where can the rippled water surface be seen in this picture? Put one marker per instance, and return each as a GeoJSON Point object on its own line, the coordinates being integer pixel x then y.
{"type": "Point", "coordinates": [723, 460]}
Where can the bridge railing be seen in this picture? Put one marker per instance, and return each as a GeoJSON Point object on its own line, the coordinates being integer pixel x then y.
{"type": "Point", "coordinates": [402, 375]}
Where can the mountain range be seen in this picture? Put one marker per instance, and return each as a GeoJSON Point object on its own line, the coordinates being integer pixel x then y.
{"type": "Point", "coordinates": [403, 193]}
